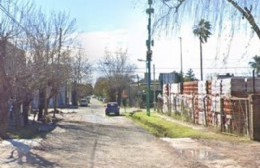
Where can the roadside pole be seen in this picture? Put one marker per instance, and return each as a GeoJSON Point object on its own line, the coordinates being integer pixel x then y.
{"type": "Point", "coordinates": [154, 89]}
{"type": "Point", "coordinates": [149, 43]}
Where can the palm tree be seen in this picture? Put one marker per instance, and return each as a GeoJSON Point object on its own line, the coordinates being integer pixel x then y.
{"type": "Point", "coordinates": [202, 30]}
{"type": "Point", "coordinates": [255, 64]}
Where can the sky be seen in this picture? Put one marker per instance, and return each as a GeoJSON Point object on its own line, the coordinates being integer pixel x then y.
{"type": "Point", "coordinates": [111, 25]}
{"type": "Point", "coordinates": [121, 24]}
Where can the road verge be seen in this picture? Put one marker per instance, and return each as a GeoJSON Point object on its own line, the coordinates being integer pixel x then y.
{"type": "Point", "coordinates": [160, 127]}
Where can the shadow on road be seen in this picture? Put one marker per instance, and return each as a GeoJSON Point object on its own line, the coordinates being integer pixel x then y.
{"type": "Point", "coordinates": [23, 156]}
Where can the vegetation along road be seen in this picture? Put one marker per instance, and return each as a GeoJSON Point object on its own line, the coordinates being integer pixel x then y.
{"type": "Point", "coordinates": [88, 138]}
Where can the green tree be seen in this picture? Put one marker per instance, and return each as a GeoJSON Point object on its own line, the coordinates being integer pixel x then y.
{"type": "Point", "coordinates": [101, 85]}
{"type": "Point", "coordinates": [202, 30]}
{"type": "Point", "coordinates": [190, 76]}
{"type": "Point", "coordinates": [84, 90]}
{"type": "Point", "coordinates": [256, 63]}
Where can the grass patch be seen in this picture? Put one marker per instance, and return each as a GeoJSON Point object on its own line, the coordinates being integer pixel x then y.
{"type": "Point", "coordinates": [163, 128]}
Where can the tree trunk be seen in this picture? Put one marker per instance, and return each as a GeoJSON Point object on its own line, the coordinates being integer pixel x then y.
{"type": "Point", "coordinates": [26, 105]}
{"type": "Point", "coordinates": [56, 94]}
{"type": "Point", "coordinates": [74, 98]}
{"type": "Point", "coordinates": [46, 105]}
{"type": "Point", "coordinates": [17, 112]}
{"type": "Point", "coordinates": [3, 91]}
{"type": "Point", "coordinates": [119, 97]}
{"type": "Point", "coordinates": [41, 103]}
{"type": "Point", "coordinates": [25, 112]}
{"type": "Point", "coordinates": [201, 62]}
{"type": "Point", "coordinates": [74, 95]}
{"type": "Point", "coordinates": [3, 116]}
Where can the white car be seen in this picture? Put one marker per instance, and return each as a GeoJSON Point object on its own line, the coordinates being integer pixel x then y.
{"type": "Point", "coordinates": [84, 102]}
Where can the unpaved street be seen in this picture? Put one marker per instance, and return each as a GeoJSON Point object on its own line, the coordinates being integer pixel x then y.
{"type": "Point", "coordinates": [89, 139]}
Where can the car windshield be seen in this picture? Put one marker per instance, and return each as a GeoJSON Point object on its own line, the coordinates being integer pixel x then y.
{"type": "Point", "coordinates": [112, 105]}
{"type": "Point", "coordinates": [83, 101]}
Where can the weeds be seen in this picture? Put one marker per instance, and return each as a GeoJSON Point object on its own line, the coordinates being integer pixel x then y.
{"type": "Point", "coordinates": [163, 128]}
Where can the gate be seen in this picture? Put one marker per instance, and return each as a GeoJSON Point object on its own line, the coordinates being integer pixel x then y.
{"type": "Point", "coordinates": [241, 116]}
{"type": "Point", "coordinates": [255, 117]}
{"type": "Point", "coordinates": [235, 115]}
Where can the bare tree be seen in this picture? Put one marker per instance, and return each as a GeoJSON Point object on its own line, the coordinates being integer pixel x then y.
{"type": "Point", "coordinates": [81, 73]}
{"type": "Point", "coordinates": [118, 70]}
{"type": "Point", "coordinates": [11, 17]}
{"type": "Point", "coordinates": [115, 63]}
{"type": "Point", "coordinates": [46, 37]}
{"type": "Point", "coordinates": [171, 13]}
{"type": "Point", "coordinates": [41, 39]}
{"type": "Point", "coordinates": [227, 17]}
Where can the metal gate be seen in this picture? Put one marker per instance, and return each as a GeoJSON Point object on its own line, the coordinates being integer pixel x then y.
{"type": "Point", "coordinates": [235, 115]}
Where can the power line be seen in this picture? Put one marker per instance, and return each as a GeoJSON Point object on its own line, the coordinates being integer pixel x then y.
{"type": "Point", "coordinates": [2, 8]}
{"type": "Point", "coordinates": [170, 68]}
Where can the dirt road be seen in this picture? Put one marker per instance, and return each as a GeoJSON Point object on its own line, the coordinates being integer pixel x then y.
{"type": "Point", "coordinates": [89, 139]}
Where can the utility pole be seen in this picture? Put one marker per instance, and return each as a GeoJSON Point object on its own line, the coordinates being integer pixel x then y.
{"type": "Point", "coordinates": [181, 65]}
{"type": "Point", "coordinates": [149, 43]}
{"type": "Point", "coordinates": [138, 91]}
{"type": "Point", "coordinates": [154, 89]}
{"type": "Point", "coordinates": [181, 53]}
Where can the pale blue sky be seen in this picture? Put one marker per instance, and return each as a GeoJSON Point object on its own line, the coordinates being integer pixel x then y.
{"type": "Point", "coordinates": [106, 24]}
{"type": "Point", "coordinates": [120, 24]}
{"type": "Point", "coordinates": [96, 15]}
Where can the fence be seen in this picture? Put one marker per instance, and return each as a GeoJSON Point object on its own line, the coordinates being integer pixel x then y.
{"type": "Point", "coordinates": [224, 104]}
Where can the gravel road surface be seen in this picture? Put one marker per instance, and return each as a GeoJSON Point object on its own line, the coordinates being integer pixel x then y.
{"type": "Point", "coordinates": [86, 138]}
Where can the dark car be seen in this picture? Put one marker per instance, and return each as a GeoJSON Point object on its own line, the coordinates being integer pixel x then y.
{"type": "Point", "coordinates": [112, 108]}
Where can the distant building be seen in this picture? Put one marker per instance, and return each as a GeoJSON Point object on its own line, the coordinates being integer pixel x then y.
{"type": "Point", "coordinates": [227, 75]}
{"type": "Point", "coordinates": [169, 78]}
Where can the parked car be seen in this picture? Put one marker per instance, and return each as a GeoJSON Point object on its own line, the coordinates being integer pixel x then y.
{"type": "Point", "coordinates": [112, 108]}
{"type": "Point", "coordinates": [88, 98]}
{"type": "Point", "coordinates": [83, 102]}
